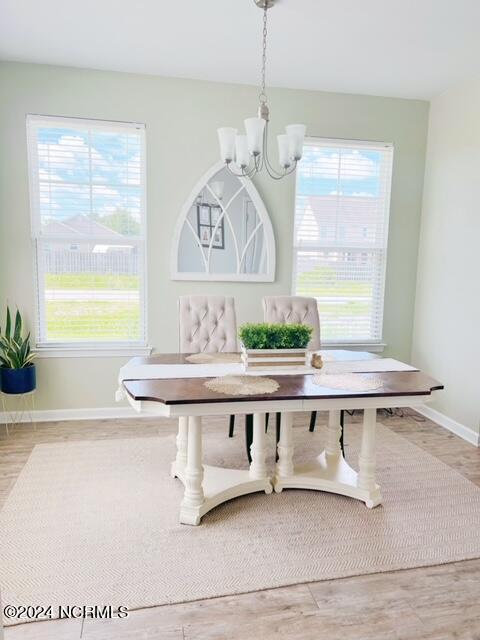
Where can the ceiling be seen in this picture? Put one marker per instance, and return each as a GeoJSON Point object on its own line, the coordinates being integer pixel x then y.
{"type": "Point", "coordinates": [404, 48]}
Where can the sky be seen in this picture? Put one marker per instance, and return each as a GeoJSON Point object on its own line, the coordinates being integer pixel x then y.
{"type": "Point", "coordinates": [324, 171]}
{"type": "Point", "coordinates": [66, 161]}
{"type": "Point", "coordinates": [68, 158]}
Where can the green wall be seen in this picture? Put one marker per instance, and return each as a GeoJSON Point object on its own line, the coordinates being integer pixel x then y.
{"type": "Point", "coordinates": [446, 341]}
{"type": "Point", "coordinates": [182, 117]}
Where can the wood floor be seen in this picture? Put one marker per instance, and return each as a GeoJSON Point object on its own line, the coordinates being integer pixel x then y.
{"type": "Point", "coordinates": [433, 603]}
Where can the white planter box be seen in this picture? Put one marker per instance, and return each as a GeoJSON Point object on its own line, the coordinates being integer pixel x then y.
{"type": "Point", "coordinates": [271, 358]}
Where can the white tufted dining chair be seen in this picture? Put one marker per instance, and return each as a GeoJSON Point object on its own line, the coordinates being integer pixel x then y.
{"type": "Point", "coordinates": [207, 324]}
{"type": "Point", "coordinates": [293, 310]}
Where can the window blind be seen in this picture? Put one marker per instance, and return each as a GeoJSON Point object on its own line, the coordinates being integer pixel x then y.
{"type": "Point", "coordinates": [342, 209]}
{"type": "Point", "coordinates": [87, 193]}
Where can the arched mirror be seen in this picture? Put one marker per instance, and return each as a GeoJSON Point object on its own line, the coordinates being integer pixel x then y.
{"type": "Point", "coordinates": [224, 232]}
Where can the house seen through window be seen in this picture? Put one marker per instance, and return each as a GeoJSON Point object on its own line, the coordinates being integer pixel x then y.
{"type": "Point", "coordinates": [340, 240]}
{"type": "Point", "coordinates": [88, 225]}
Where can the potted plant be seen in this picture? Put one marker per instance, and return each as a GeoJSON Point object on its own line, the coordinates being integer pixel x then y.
{"type": "Point", "coordinates": [274, 345]}
{"type": "Point", "coordinates": [17, 370]}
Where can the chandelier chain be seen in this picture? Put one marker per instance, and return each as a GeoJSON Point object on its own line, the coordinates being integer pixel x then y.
{"type": "Point", "coordinates": [263, 95]}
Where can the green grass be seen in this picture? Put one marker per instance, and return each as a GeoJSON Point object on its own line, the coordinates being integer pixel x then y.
{"type": "Point", "coordinates": [322, 281]}
{"type": "Point", "coordinates": [348, 309]}
{"type": "Point", "coordinates": [70, 320]}
{"type": "Point", "coordinates": [90, 281]}
{"type": "Point", "coordinates": [340, 289]}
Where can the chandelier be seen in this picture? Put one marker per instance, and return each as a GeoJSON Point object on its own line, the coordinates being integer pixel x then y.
{"type": "Point", "coordinates": [249, 152]}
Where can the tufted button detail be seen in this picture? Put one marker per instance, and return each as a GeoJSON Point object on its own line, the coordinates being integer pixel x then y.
{"type": "Point", "coordinates": [207, 323]}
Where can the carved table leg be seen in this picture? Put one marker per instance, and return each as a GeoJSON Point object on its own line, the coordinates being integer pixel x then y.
{"type": "Point", "coordinates": [333, 449]}
{"type": "Point", "coordinates": [366, 460]}
{"type": "Point", "coordinates": [181, 458]}
{"type": "Point", "coordinates": [193, 498]}
{"type": "Point", "coordinates": [258, 467]}
{"type": "Point", "coordinates": [284, 466]}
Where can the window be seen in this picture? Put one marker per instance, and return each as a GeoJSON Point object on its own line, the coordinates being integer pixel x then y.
{"type": "Point", "coordinates": [340, 239]}
{"type": "Point", "coordinates": [87, 191]}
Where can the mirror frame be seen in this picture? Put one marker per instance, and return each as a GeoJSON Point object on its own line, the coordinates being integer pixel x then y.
{"type": "Point", "coordinates": [269, 238]}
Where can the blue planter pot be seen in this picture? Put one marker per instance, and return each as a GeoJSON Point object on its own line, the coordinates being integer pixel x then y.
{"type": "Point", "coordinates": [17, 381]}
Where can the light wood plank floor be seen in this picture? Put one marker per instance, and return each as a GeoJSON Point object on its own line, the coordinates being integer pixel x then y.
{"type": "Point", "coordinates": [433, 603]}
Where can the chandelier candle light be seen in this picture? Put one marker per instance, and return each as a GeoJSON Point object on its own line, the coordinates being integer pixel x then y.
{"type": "Point", "coordinates": [250, 152]}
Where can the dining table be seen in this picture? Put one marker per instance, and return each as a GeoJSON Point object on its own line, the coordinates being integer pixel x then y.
{"type": "Point", "coordinates": [171, 385]}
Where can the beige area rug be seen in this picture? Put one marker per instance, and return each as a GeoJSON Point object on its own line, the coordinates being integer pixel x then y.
{"type": "Point", "coordinates": [97, 522]}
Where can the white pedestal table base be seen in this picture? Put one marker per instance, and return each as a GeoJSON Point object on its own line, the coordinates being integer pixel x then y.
{"type": "Point", "coordinates": [207, 486]}
{"type": "Point", "coordinates": [330, 471]}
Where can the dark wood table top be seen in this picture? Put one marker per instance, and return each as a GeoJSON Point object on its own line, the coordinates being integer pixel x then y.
{"type": "Point", "coordinates": [291, 387]}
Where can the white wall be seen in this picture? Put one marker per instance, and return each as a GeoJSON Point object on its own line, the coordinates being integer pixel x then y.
{"type": "Point", "coordinates": [446, 341]}
{"type": "Point", "coordinates": [181, 119]}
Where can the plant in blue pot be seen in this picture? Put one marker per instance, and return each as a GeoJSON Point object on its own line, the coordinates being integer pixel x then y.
{"type": "Point", "coordinates": [17, 370]}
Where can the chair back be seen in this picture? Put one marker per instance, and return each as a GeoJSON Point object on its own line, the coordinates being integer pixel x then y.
{"type": "Point", "coordinates": [294, 310]}
{"type": "Point", "coordinates": [207, 324]}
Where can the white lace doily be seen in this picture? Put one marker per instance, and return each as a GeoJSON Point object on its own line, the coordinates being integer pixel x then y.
{"type": "Point", "coordinates": [348, 381]}
{"type": "Point", "coordinates": [242, 385]}
{"type": "Point", "coordinates": [210, 358]}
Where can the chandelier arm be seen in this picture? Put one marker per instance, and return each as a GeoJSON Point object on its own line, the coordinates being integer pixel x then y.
{"type": "Point", "coordinates": [271, 171]}
{"type": "Point", "coordinates": [256, 168]}
{"type": "Point", "coordinates": [277, 175]}
{"type": "Point", "coordinates": [274, 176]}
{"type": "Point", "coordinates": [252, 169]}
{"type": "Point", "coordinates": [252, 172]}
{"type": "Point", "coordinates": [292, 168]}
{"type": "Point", "coordinates": [243, 174]}
{"type": "Point", "coordinates": [237, 175]}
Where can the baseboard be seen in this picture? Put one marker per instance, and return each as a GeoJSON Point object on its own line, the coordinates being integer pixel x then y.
{"type": "Point", "coordinates": [98, 413]}
{"type": "Point", "coordinates": [109, 413]}
{"type": "Point", "coordinates": [444, 421]}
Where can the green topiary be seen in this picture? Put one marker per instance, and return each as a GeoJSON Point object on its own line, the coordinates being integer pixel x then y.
{"type": "Point", "coordinates": [275, 336]}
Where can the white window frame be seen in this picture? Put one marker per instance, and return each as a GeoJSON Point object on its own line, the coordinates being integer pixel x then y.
{"type": "Point", "coordinates": [44, 347]}
{"type": "Point", "coordinates": [374, 345]}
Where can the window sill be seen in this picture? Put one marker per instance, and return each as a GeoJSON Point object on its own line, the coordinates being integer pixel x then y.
{"type": "Point", "coordinates": [372, 347]}
{"type": "Point", "coordinates": [91, 352]}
